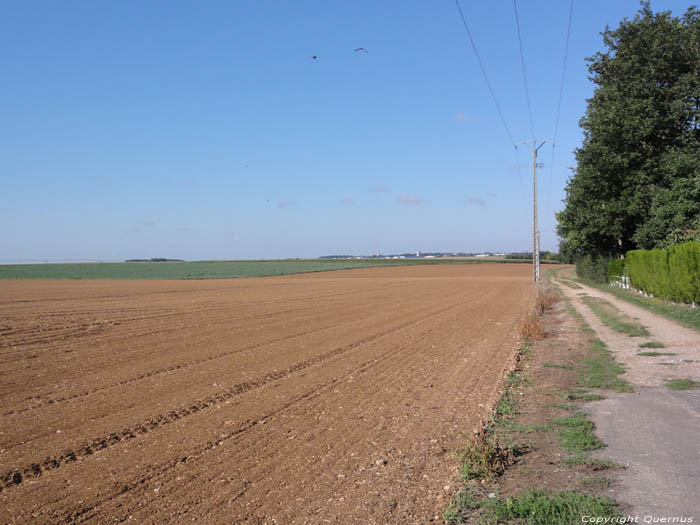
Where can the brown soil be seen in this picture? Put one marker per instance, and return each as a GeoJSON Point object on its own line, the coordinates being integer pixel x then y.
{"type": "Point", "coordinates": [314, 398]}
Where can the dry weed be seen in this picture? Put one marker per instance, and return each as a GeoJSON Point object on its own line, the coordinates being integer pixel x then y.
{"type": "Point", "coordinates": [546, 297]}
{"type": "Point", "coordinates": [531, 328]}
{"type": "Point", "coordinates": [483, 460]}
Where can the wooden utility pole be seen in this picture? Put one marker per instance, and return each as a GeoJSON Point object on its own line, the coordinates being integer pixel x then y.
{"type": "Point", "coordinates": [535, 229]}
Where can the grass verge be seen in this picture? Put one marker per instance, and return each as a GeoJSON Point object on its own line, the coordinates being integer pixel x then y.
{"type": "Point", "coordinates": [600, 370]}
{"type": "Point", "coordinates": [613, 318]}
{"type": "Point", "coordinates": [682, 384]}
{"type": "Point", "coordinates": [538, 506]}
{"type": "Point", "coordinates": [575, 433]}
{"type": "Point", "coordinates": [585, 460]}
{"type": "Point", "coordinates": [486, 457]}
{"type": "Point", "coordinates": [575, 395]}
{"type": "Point", "coordinates": [654, 354]}
{"type": "Point", "coordinates": [652, 344]}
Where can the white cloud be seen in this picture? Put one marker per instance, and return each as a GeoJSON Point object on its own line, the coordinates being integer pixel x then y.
{"type": "Point", "coordinates": [409, 200]}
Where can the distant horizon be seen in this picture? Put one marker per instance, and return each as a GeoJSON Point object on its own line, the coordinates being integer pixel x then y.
{"type": "Point", "coordinates": [10, 262]}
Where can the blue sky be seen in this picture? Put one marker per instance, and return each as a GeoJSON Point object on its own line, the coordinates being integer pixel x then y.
{"type": "Point", "coordinates": [206, 130]}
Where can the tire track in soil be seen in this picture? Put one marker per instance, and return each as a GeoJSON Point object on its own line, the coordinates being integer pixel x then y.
{"type": "Point", "coordinates": [167, 370]}
{"type": "Point", "coordinates": [83, 332]}
{"type": "Point", "coordinates": [170, 318]}
{"type": "Point", "coordinates": [164, 469]}
{"type": "Point", "coordinates": [153, 373]}
{"type": "Point", "coordinates": [18, 475]}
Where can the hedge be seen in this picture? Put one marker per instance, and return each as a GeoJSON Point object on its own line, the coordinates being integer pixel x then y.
{"type": "Point", "coordinates": [670, 274]}
{"type": "Point", "coordinates": [616, 269]}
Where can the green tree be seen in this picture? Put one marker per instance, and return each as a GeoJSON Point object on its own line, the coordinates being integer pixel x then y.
{"type": "Point", "coordinates": [637, 178]}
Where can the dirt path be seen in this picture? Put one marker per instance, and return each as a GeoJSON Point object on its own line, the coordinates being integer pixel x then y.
{"type": "Point", "coordinates": [654, 431]}
{"type": "Point", "coordinates": [300, 399]}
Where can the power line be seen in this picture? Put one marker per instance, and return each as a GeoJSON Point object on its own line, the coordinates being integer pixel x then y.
{"type": "Point", "coordinates": [561, 93]}
{"type": "Point", "coordinates": [483, 70]}
{"type": "Point", "coordinates": [563, 70]}
{"type": "Point", "coordinates": [522, 61]}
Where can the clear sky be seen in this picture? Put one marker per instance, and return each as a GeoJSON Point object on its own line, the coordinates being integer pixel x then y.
{"type": "Point", "coordinates": [206, 130]}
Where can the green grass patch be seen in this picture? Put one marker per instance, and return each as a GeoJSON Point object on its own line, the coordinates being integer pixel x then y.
{"type": "Point", "coordinates": [465, 500]}
{"type": "Point", "coordinates": [585, 460]}
{"type": "Point", "coordinates": [683, 313]}
{"type": "Point", "coordinates": [582, 396]}
{"type": "Point", "coordinates": [600, 370]}
{"type": "Point", "coordinates": [554, 365]}
{"type": "Point", "coordinates": [652, 344]}
{"type": "Point", "coordinates": [563, 406]}
{"type": "Point", "coordinates": [682, 384]}
{"type": "Point", "coordinates": [596, 482]}
{"type": "Point", "coordinates": [575, 433]}
{"type": "Point", "coordinates": [539, 507]}
{"type": "Point", "coordinates": [654, 354]}
{"type": "Point", "coordinates": [613, 318]}
{"type": "Point", "coordinates": [202, 269]}
{"type": "Point", "coordinates": [571, 310]}
{"type": "Point", "coordinates": [507, 404]}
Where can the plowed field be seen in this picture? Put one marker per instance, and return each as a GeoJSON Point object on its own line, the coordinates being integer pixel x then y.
{"type": "Point", "coordinates": [328, 397]}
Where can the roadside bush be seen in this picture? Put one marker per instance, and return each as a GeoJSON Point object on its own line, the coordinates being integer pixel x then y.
{"type": "Point", "coordinates": [670, 274]}
{"type": "Point", "coordinates": [593, 268]}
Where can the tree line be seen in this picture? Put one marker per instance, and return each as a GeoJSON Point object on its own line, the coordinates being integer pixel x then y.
{"type": "Point", "coordinates": [636, 184]}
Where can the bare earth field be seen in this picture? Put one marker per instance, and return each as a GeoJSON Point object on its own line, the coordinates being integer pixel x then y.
{"type": "Point", "coordinates": [328, 397]}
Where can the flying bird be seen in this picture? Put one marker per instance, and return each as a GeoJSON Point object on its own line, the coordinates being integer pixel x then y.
{"type": "Point", "coordinates": [314, 57]}
{"type": "Point", "coordinates": [361, 49]}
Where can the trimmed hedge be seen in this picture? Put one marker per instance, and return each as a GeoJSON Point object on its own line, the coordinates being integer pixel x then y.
{"type": "Point", "coordinates": [616, 269]}
{"type": "Point", "coordinates": [670, 274]}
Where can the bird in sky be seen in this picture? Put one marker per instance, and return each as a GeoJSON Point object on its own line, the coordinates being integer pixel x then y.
{"type": "Point", "coordinates": [360, 49]}
{"type": "Point", "coordinates": [314, 57]}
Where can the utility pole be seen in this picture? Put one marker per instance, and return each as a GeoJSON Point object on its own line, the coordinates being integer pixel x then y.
{"type": "Point", "coordinates": [535, 229]}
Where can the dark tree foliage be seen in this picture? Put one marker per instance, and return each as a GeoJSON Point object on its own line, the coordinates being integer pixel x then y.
{"type": "Point", "coordinates": [637, 178]}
